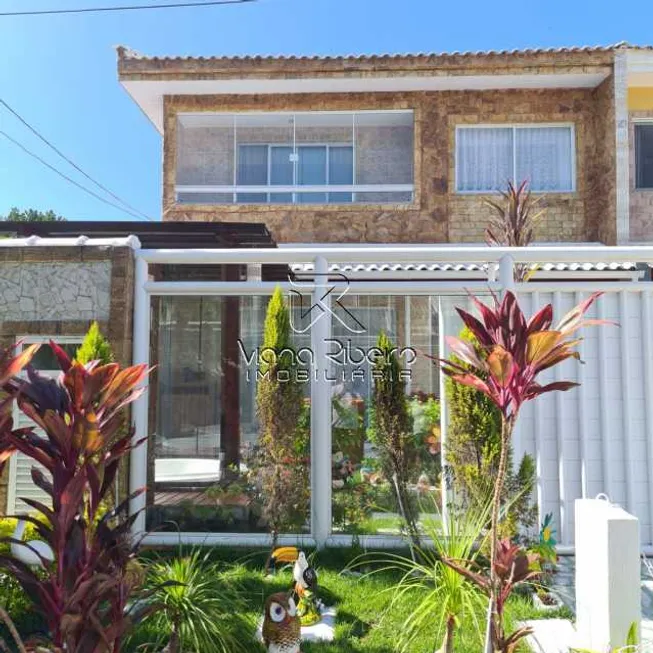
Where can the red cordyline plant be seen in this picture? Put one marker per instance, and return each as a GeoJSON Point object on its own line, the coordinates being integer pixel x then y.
{"type": "Point", "coordinates": [511, 354]}
{"type": "Point", "coordinates": [83, 594]}
{"type": "Point", "coordinates": [513, 222]}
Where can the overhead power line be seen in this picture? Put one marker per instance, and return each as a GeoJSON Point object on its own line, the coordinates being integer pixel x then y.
{"type": "Point", "coordinates": [90, 10]}
{"type": "Point", "coordinates": [72, 163]}
{"type": "Point", "coordinates": [67, 178]}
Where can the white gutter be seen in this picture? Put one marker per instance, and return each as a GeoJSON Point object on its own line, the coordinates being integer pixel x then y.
{"type": "Point", "coordinates": [403, 254]}
{"type": "Point", "coordinates": [78, 241]}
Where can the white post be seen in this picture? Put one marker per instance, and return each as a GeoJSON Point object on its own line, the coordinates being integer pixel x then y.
{"type": "Point", "coordinates": [141, 355]}
{"type": "Point", "coordinates": [507, 273]}
{"type": "Point", "coordinates": [321, 410]}
{"type": "Point", "coordinates": [445, 485]}
{"type": "Point", "coordinates": [607, 574]}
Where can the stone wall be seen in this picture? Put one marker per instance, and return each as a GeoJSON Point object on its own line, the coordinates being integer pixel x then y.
{"type": "Point", "coordinates": [58, 291]}
{"type": "Point", "coordinates": [641, 201]}
{"type": "Point", "coordinates": [438, 213]}
{"type": "Point", "coordinates": [55, 291]}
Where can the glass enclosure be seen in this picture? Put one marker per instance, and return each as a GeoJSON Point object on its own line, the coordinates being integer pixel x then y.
{"type": "Point", "coordinates": [295, 158]}
{"type": "Point", "coordinates": [204, 468]}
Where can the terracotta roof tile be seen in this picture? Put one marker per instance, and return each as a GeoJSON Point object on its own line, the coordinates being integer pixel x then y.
{"type": "Point", "coordinates": [127, 54]}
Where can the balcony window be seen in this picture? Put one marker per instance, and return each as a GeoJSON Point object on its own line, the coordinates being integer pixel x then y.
{"type": "Point", "coordinates": [300, 158]}
{"type": "Point", "coordinates": [644, 156]}
{"type": "Point", "coordinates": [488, 157]}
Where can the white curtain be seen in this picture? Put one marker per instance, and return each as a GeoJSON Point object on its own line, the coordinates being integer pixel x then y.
{"type": "Point", "coordinates": [484, 158]}
{"type": "Point", "coordinates": [488, 157]}
{"type": "Point", "coordinates": [544, 158]}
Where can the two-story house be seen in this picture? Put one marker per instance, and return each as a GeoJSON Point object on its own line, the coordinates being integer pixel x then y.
{"type": "Point", "coordinates": [403, 148]}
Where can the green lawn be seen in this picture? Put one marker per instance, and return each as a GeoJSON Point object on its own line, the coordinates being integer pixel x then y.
{"type": "Point", "coordinates": [364, 622]}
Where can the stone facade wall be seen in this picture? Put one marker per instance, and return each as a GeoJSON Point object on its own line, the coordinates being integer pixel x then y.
{"type": "Point", "coordinates": [641, 201]}
{"type": "Point", "coordinates": [55, 291]}
{"type": "Point", "coordinates": [438, 213]}
{"type": "Point", "coordinates": [58, 291]}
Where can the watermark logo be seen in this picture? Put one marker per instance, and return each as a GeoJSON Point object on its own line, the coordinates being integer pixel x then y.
{"type": "Point", "coordinates": [305, 312]}
{"type": "Point", "coordinates": [352, 360]}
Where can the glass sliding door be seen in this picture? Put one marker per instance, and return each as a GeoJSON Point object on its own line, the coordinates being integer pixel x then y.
{"type": "Point", "coordinates": [282, 172]}
{"type": "Point", "coordinates": [312, 171]}
{"type": "Point", "coordinates": [252, 171]}
{"type": "Point", "coordinates": [341, 171]}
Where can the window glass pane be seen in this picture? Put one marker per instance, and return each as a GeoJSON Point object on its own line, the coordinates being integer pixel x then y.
{"type": "Point", "coordinates": [544, 158]}
{"type": "Point", "coordinates": [205, 155]}
{"type": "Point", "coordinates": [341, 171]}
{"type": "Point", "coordinates": [206, 468]}
{"type": "Point", "coordinates": [281, 172]}
{"type": "Point", "coordinates": [384, 148]}
{"type": "Point", "coordinates": [644, 154]}
{"type": "Point", "coordinates": [363, 499]}
{"type": "Point", "coordinates": [252, 171]}
{"type": "Point", "coordinates": [483, 158]}
{"type": "Point", "coordinates": [311, 171]}
{"type": "Point", "coordinates": [45, 361]}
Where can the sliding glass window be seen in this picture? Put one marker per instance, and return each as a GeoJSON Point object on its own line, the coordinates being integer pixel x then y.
{"type": "Point", "coordinates": [295, 158]}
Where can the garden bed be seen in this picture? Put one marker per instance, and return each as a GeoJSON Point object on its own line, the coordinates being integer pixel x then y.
{"type": "Point", "coordinates": [364, 623]}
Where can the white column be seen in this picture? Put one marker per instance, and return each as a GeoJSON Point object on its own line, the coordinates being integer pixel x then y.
{"type": "Point", "coordinates": [626, 396]}
{"type": "Point", "coordinates": [622, 146]}
{"type": "Point", "coordinates": [582, 415]}
{"type": "Point", "coordinates": [321, 410]}
{"type": "Point", "coordinates": [446, 489]}
{"type": "Point", "coordinates": [141, 355]}
{"type": "Point", "coordinates": [647, 362]}
{"type": "Point", "coordinates": [607, 574]}
{"type": "Point", "coordinates": [560, 439]}
{"type": "Point", "coordinates": [539, 438]}
{"type": "Point", "coordinates": [507, 273]}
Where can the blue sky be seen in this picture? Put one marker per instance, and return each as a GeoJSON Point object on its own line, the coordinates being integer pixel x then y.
{"type": "Point", "coordinates": [59, 72]}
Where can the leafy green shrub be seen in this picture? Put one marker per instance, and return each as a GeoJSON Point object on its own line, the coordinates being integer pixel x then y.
{"type": "Point", "coordinates": [393, 430]}
{"type": "Point", "coordinates": [282, 467]}
{"type": "Point", "coordinates": [94, 347]}
{"type": "Point", "coordinates": [472, 451]}
{"type": "Point", "coordinates": [442, 600]}
{"type": "Point", "coordinates": [425, 414]}
{"type": "Point", "coordinates": [200, 607]}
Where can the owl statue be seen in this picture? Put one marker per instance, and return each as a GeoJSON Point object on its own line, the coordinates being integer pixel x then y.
{"type": "Point", "coordinates": [281, 625]}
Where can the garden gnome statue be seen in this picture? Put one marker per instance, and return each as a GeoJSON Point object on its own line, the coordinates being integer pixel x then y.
{"type": "Point", "coordinates": [281, 625]}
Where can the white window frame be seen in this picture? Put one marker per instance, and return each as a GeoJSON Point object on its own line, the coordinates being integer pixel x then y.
{"type": "Point", "coordinates": [298, 146]}
{"type": "Point", "coordinates": [636, 122]}
{"type": "Point", "coordinates": [22, 342]}
{"type": "Point", "coordinates": [516, 126]}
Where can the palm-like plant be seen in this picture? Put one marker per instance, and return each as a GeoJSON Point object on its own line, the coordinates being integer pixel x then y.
{"type": "Point", "coordinates": [514, 220]}
{"type": "Point", "coordinates": [442, 596]}
{"type": "Point", "coordinates": [199, 606]}
{"type": "Point", "coordinates": [511, 355]}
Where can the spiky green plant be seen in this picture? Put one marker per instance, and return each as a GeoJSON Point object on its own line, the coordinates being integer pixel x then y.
{"type": "Point", "coordinates": [515, 217]}
{"type": "Point", "coordinates": [393, 433]}
{"type": "Point", "coordinates": [95, 347]}
{"type": "Point", "coordinates": [200, 606]}
{"type": "Point", "coordinates": [440, 595]}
